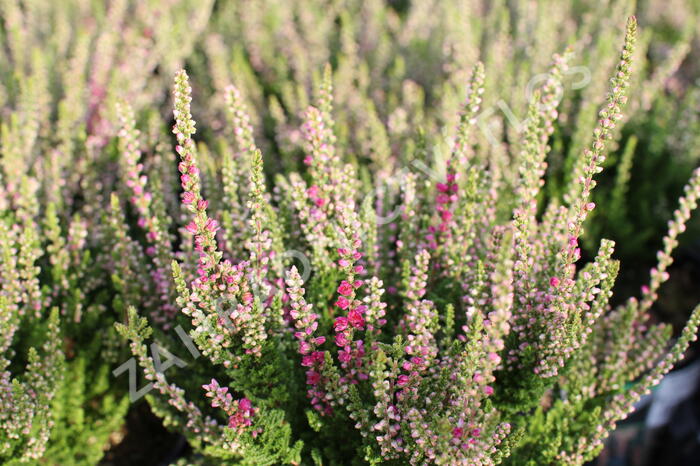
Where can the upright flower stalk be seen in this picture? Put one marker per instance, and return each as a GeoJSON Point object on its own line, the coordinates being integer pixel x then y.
{"type": "Point", "coordinates": [201, 226]}
{"type": "Point", "coordinates": [159, 245]}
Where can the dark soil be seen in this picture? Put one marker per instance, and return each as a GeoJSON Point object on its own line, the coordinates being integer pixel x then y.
{"type": "Point", "coordinates": [145, 441]}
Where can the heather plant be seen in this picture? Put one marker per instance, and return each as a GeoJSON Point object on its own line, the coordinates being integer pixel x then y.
{"type": "Point", "coordinates": [59, 65]}
{"type": "Point", "coordinates": [58, 399]}
{"type": "Point", "coordinates": [393, 283]}
{"type": "Point", "coordinates": [445, 323]}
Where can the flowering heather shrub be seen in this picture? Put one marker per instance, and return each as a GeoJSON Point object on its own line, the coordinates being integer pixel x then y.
{"type": "Point", "coordinates": [59, 63]}
{"type": "Point", "coordinates": [423, 326]}
{"type": "Point", "coordinates": [394, 284]}
{"type": "Point", "coordinates": [58, 399]}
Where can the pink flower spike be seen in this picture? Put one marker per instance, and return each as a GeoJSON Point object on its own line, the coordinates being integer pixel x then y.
{"type": "Point", "coordinates": [554, 281]}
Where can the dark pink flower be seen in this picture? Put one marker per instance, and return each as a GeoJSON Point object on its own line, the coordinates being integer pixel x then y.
{"type": "Point", "coordinates": [212, 225]}
{"type": "Point", "coordinates": [191, 227]}
{"type": "Point", "coordinates": [244, 404]}
{"type": "Point", "coordinates": [344, 356]}
{"type": "Point", "coordinates": [307, 361]}
{"type": "Point", "coordinates": [342, 302]}
{"type": "Point", "coordinates": [341, 323]}
{"type": "Point", "coordinates": [312, 377]}
{"type": "Point", "coordinates": [356, 319]}
{"type": "Point", "coordinates": [345, 288]}
{"type": "Point", "coordinates": [341, 339]}
{"type": "Point", "coordinates": [312, 191]}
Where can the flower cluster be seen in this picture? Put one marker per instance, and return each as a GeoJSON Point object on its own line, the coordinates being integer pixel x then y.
{"type": "Point", "coordinates": [239, 412]}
